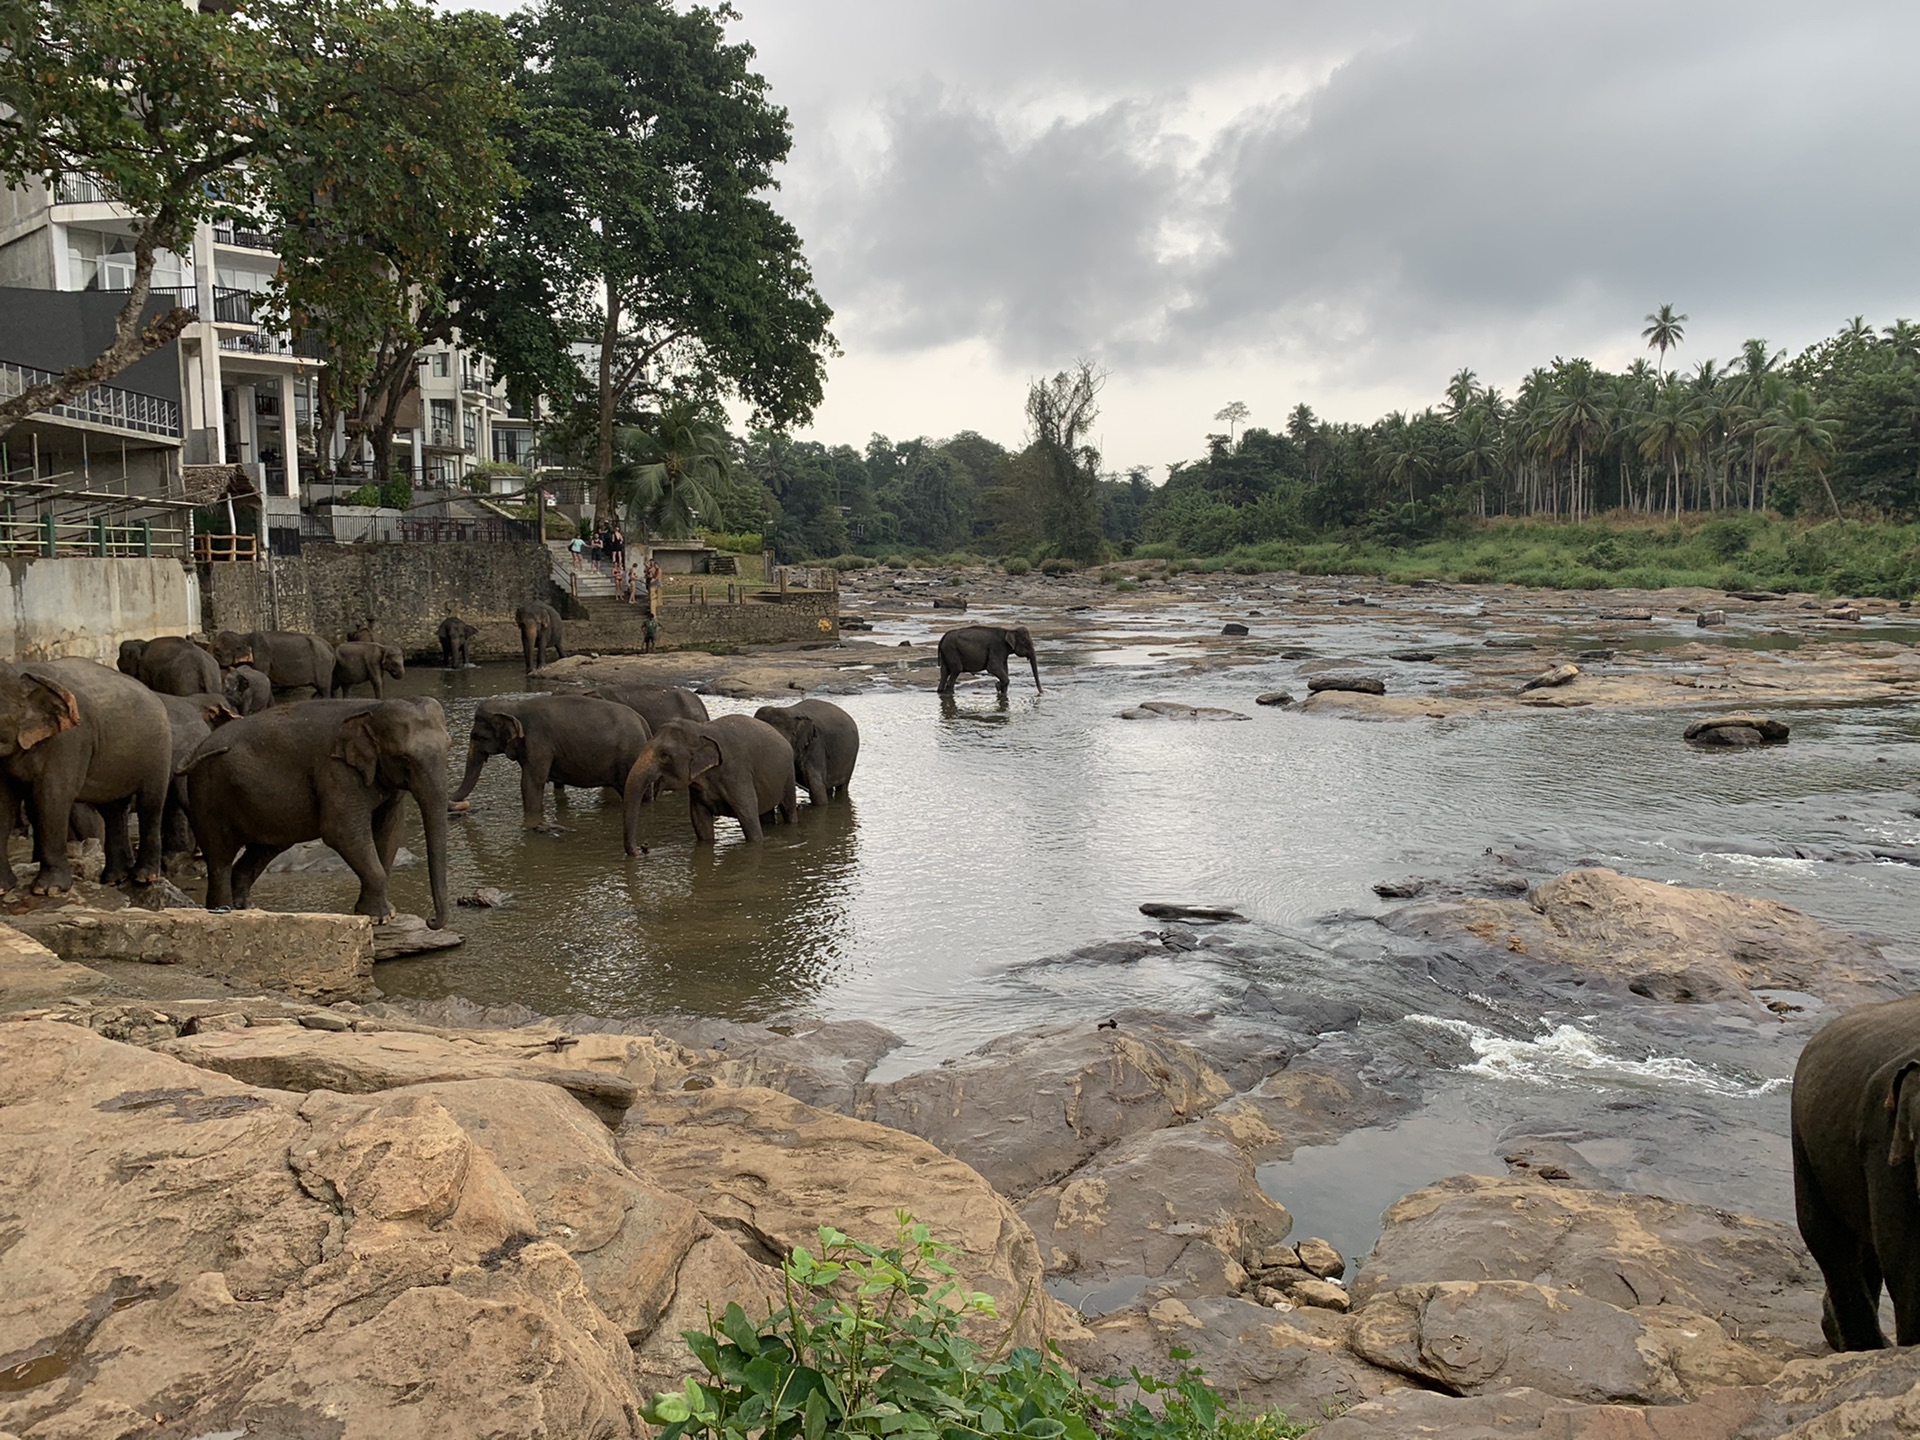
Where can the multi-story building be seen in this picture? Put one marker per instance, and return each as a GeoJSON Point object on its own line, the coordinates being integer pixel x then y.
{"type": "Point", "coordinates": [462, 419]}
{"type": "Point", "coordinates": [229, 392]}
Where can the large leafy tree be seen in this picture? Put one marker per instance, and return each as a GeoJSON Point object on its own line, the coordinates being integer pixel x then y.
{"type": "Point", "coordinates": [349, 123]}
{"type": "Point", "coordinates": [645, 231]}
{"type": "Point", "coordinates": [1060, 416]}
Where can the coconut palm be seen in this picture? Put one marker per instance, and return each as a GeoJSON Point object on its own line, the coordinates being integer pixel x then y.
{"type": "Point", "coordinates": [1462, 389]}
{"type": "Point", "coordinates": [1668, 431]}
{"type": "Point", "coordinates": [1481, 449]}
{"type": "Point", "coordinates": [1800, 434]}
{"type": "Point", "coordinates": [1665, 330]}
{"type": "Point", "coordinates": [1577, 416]}
{"type": "Point", "coordinates": [1904, 338]}
{"type": "Point", "coordinates": [670, 466]}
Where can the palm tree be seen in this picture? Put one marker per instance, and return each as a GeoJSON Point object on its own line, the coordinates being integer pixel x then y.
{"type": "Point", "coordinates": [1800, 433]}
{"type": "Point", "coordinates": [1400, 449]}
{"type": "Point", "coordinates": [1480, 449]}
{"type": "Point", "coordinates": [1904, 337]}
{"type": "Point", "coordinates": [1577, 412]}
{"type": "Point", "coordinates": [670, 465]}
{"type": "Point", "coordinates": [1670, 428]}
{"type": "Point", "coordinates": [1461, 391]}
{"type": "Point", "coordinates": [1664, 331]}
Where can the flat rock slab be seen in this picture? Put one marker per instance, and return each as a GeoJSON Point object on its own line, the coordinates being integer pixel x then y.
{"type": "Point", "coordinates": [1178, 710]}
{"type": "Point", "coordinates": [1213, 914]}
{"type": "Point", "coordinates": [31, 974]}
{"type": "Point", "coordinates": [404, 935]}
{"type": "Point", "coordinates": [1412, 657]}
{"type": "Point", "coordinates": [1740, 729]}
{"type": "Point", "coordinates": [320, 957]}
{"type": "Point", "coordinates": [1352, 684]}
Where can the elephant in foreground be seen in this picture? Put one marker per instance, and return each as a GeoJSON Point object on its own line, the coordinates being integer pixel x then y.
{"type": "Point", "coordinates": [735, 765]}
{"type": "Point", "coordinates": [332, 770]}
{"type": "Point", "coordinates": [454, 635]}
{"type": "Point", "coordinates": [291, 659]}
{"type": "Point", "coordinates": [656, 704]}
{"type": "Point", "coordinates": [1856, 1189]}
{"type": "Point", "coordinates": [974, 648]}
{"type": "Point", "coordinates": [170, 665]}
{"type": "Point", "coordinates": [248, 690]}
{"type": "Point", "coordinates": [73, 731]}
{"type": "Point", "coordinates": [540, 631]}
{"type": "Point", "coordinates": [825, 742]}
{"type": "Point", "coordinates": [365, 662]}
{"type": "Point", "coordinates": [192, 718]}
{"type": "Point", "coordinates": [565, 739]}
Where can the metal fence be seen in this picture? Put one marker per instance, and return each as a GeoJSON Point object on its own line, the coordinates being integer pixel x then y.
{"type": "Point", "coordinates": [100, 405]}
{"type": "Point", "coordinates": [46, 536]}
{"type": "Point", "coordinates": [463, 532]}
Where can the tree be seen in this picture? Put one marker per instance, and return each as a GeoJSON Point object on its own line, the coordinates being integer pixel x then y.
{"type": "Point", "coordinates": [1802, 436]}
{"type": "Point", "coordinates": [295, 112]}
{"type": "Point", "coordinates": [673, 464]}
{"type": "Point", "coordinates": [1060, 413]}
{"type": "Point", "coordinates": [1234, 413]}
{"type": "Point", "coordinates": [1664, 331]}
{"type": "Point", "coordinates": [648, 149]}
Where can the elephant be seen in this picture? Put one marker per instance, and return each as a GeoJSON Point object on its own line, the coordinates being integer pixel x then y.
{"type": "Point", "coordinates": [192, 718]}
{"type": "Point", "coordinates": [332, 770]}
{"type": "Point", "coordinates": [656, 704]}
{"type": "Point", "coordinates": [825, 744]}
{"type": "Point", "coordinates": [365, 662]}
{"type": "Point", "coordinates": [454, 635]}
{"type": "Point", "coordinates": [292, 659]}
{"type": "Point", "coordinates": [1856, 1186]}
{"type": "Point", "coordinates": [170, 665]}
{"type": "Point", "coordinates": [984, 647]}
{"type": "Point", "coordinates": [735, 765]}
{"type": "Point", "coordinates": [540, 629]}
{"type": "Point", "coordinates": [248, 690]}
{"type": "Point", "coordinates": [565, 739]}
{"type": "Point", "coordinates": [71, 730]}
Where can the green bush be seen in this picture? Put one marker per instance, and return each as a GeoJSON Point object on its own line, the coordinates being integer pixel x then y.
{"type": "Point", "coordinates": [1015, 565]}
{"type": "Point", "coordinates": [844, 563]}
{"type": "Point", "coordinates": [367, 495]}
{"type": "Point", "coordinates": [1057, 566]}
{"type": "Point", "coordinates": [869, 1341]}
{"type": "Point", "coordinates": [397, 493]}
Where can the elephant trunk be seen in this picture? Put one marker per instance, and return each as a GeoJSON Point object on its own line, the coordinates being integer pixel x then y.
{"type": "Point", "coordinates": [432, 799]}
{"type": "Point", "coordinates": [1034, 661]}
{"type": "Point", "coordinates": [476, 760]}
{"type": "Point", "coordinates": [641, 781]}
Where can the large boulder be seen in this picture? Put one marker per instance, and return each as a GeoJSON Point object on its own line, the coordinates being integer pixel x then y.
{"type": "Point", "coordinates": [1750, 1276]}
{"type": "Point", "coordinates": [187, 1254]}
{"type": "Point", "coordinates": [1741, 729]}
{"type": "Point", "coordinates": [770, 1171]}
{"type": "Point", "coordinates": [1664, 942]}
{"type": "Point", "coordinates": [820, 1061]}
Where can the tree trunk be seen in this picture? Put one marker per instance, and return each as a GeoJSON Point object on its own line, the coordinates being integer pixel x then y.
{"type": "Point", "coordinates": [603, 453]}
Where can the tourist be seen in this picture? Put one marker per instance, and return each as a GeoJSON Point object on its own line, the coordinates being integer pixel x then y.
{"type": "Point", "coordinates": [653, 584]}
{"type": "Point", "coordinates": [653, 631]}
{"type": "Point", "coordinates": [578, 547]}
{"type": "Point", "coordinates": [597, 547]}
{"type": "Point", "coordinates": [619, 546]}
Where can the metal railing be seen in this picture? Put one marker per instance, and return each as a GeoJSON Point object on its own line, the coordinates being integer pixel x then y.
{"type": "Point", "coordinates": [233, 307]}
{"type": "Point", "coordinates": [73, 188]}
{"type": "Point", "coordinates": [244, 237]}
{"type": "Point", "coordinates": [100, 405]}
{"type": "Point", "coordinates": [463, 532]}
{"type": "Point", "coordinates": [475, 384]}
{"type": "Point", "coordinates": [222, 549]}
{"type": "Point", "coordinates": [45, 536]}
{"type": "Point", "coordinates": [263, 342]}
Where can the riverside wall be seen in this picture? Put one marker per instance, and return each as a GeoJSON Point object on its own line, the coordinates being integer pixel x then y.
{"type": "Point", "coordinates": [84, 606]}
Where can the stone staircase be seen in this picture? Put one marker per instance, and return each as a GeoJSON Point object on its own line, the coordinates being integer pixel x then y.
{"type": "Point", "coordinates": [584, 581]}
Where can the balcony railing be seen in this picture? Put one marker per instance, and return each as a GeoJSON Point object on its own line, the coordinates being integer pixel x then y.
{"type": "Point", "coordinates": [76, 189]}
{"type": "Point", "coordinates": [463, 532]}
{"type": "Point", "coordinates": [243, 237]}
{"type": "Point", "coordinates": [475, 384]}
{"type": "Point", "coordinates": [101, 405]}
{"type": "Point", "coordinates": [233, 307]}
{"type": "Point", "coordinates": [263, 342]}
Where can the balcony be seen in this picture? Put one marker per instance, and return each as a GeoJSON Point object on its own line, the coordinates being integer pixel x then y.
{"type": "Point", "coordinates": [439, 437]}
{"type": "Point", "coordinates": [233, 307]}
{"type": "Point", "coordinates": [107, 405]}
{"type": "Point", "coordinates": [76, 189]}
{"type": "Point", "coordinates": [476, 384]}
{"type": "Point", "coordinates": [263, 342]}
{"type": "Point", "coordinates": [244, 237]}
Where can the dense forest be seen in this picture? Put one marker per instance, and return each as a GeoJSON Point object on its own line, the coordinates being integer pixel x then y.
{"type": "Point", "coordinates": [1832, 431]}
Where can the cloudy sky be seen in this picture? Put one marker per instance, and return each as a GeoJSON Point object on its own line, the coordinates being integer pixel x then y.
{"type": "Point", "coordinates": [1340, 203]}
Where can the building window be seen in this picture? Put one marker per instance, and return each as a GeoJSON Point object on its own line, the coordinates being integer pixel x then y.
{"type": "Point", "coordinates": [439, 359]}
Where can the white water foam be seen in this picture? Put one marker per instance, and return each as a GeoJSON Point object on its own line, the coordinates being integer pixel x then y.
{"type": "Point", "coordinates": [1568, 1055]}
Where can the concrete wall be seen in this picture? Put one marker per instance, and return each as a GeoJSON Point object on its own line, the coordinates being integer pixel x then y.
{"type": "Point", "coordinates": [405, 590]}
{"type": "Point", "coordinates": [612, 628]}
{"type": "Point", "coordinates": [85, 606]}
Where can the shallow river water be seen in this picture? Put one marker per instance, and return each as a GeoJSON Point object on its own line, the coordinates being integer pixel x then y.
{"type": "Point", "coordinates": [980, 839]}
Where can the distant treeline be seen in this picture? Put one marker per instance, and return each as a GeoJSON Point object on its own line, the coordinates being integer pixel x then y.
{"type": "Point", "coordinates": [1834, 430]}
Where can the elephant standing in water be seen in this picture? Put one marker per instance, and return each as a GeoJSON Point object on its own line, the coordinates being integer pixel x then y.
{"type": "Point", "coordinates": [566, 739]}
{"type": "Point", "coordinates": [366, 662]}
{"type": "Point", "coordinates": [540, 630]}
{"type": "Point", "coordinates": [825, 742]}
{"type": "Point", "coordinates": [984, 647]}
{"type": "Point", "coordinates": [332, 770]}
{"type": "Point", "coordinates": [454, 635]}
{"type": "Point", "coordinates": [1856, 1188]}
{"type": "Point", "coordinates": [735, 765]}
{"type": "Point", "coordinates": [656, 704]}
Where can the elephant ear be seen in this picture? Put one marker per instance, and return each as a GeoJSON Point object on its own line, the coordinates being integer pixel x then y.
{"type": "Point", "coordinates": [510, 726]}
{"type": "Point", "coordinates": [806, 735]}
{"type": "Point", "coordinates": [706, 755]}
{"type": "Point", "coordinates": [218, 713]}
{"type": "Point", "coordinates": [51, 709]}
{"type": "Point", "coordinates": [356, 746]}
{"type": "Point", "coordinates": [1901, 1106]}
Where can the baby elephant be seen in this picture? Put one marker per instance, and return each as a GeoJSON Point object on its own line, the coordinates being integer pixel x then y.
{"type": "Point", "coordinates": [825, 743]}
{"type": "Point", "coordinates": [735, 765]}
{"type": "Point", "coordinates": [455, 633]}
{"type": "Point", "coordinates": [1856, 1120]}
{"type": "Point", "coordinates": [365, 662]}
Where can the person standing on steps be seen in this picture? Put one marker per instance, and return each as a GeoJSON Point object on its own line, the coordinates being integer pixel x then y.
{"type": "Point", "coordinates": [652, 631]}
{"type": "Point", "coordinates": [577, 548]}
{"type": "Point", "coordinates": [618, 548]}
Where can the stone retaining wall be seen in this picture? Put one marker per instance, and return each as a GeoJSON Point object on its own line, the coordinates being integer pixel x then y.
{"type": "Point", "coordinates": [612, 628]}
{"type": "Point", "coordinates": [85, 606]}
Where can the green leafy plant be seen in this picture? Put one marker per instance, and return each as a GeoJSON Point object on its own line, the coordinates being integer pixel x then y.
{"type": "Point", "coordinates": [1015, 565]}
{"type": "Point", "coordinates": [871, 1340]}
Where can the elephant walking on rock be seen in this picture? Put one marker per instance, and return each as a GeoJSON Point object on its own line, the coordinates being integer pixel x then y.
{"type": "Point", "coordinates": [332, 770]}
{"type": "Point", "coordinates": [565, 739]}
{"type": "Point", "coordinates": [1856, 1179]}
{"type": "Point", "coordinates": [735, 765]}
{"type": "Point", "coordinates": [825, 741]}
{"type": "Point", "coordinates": [973, 648]}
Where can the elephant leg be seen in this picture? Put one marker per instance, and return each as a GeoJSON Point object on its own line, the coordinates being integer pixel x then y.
{"type": "Point", "coordinates": [175, 830]}
{"type": "Point", "coordinates": [948, 674]}
{"type": "Point", "coordinates": [789, 807]}
{"type": "Point", "coordinates": [533, 791]}
{"type": "Point", "coordinates": [52, 813]}
{"type": "Point", "coordinates": [1850, 1316]}
{"type": "Point", "coordinates": [118, 865]}
{"type": "Point", "coordinates": [379, 686]}
{"type": "Point", "coordinates": [354, 843]}
{"type": "Point", "coordinates": [744, 801]}
{"type": "Point", "coordinates": [997, 667]}
{"type": "Point", "coordinates": [151, 807]}
{"type": "Point", "coordinates": [251, 865]}
{"type": "Point", "coordinates": [386, 831]}
{"type": "Point", "coordinates": [11, 797]}
{"type": "Point", "coordinates": [701, 814]}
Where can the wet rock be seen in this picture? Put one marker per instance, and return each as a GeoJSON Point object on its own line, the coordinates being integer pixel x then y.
{"type": "Point", "coordinates": [1351, 683]}
{"type": "Point", "coordinates": [1404, 889]}
{"type": "Point", "coordinates": [1662, 942]}
{"type": "Point", "coordinates": [316, 857]}
{"type": "Point", "coordinates": [950, 602]}
{"type": "Point", "coordinates": [1028, 1109]}
{"type": "Point", "coordinates": [319, 957]}
{"type": "Point", "coordinates": [1206, 914]}
{"type": "Point", "coordinates": [1178, 710]}
{"type": "Point", "coordinates": [1274, 697]}
{"type": "Point", "coordinates": [1331, 1091]}
{"type": "Point", "coordinates": [1295, 1360]}
{"type": "Point", "coordinates": [1180, 1208]}
{"type": "Point", "coordinates": [770, 1171]}
{"type": "Point", "coordinates": [1551, 1160]}
{"type": "Point", "coordinates": [603, 1072]}
{"type": "Point", "coordinates": [1625, 614]}
{"type": "Point", "coordinates": [487, 897]}
{"type": "Point", "coordinates": [819, 1062]}
{"type": "Point", "coordinates": [238, 1260]}
{"type": "Point", "coordinates": [1233, 627]}
{"type": "Point", "coordinates": [1847, 613]}
{"type": "Point", "coordinates": [1551, 679]}
{"type": "Point", "coordinates": [1749, 1275]}
{"type": "Point", "coordinates": [403, 935]}
{"type": "Point", "coordinates": [1593, 655]}
{"type": "Point", "coordinates": [1741, 729]}
{"type": "Point", "coordinates": [1298, 1011]}
{"type": "Point", "coordinates": [1510, 644]}
{"type": "Point", "coordinates": [1412, 657]}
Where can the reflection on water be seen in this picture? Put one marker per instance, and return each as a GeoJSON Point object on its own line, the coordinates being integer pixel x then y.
{"type": "Point", "coordinates": [982, 834]}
